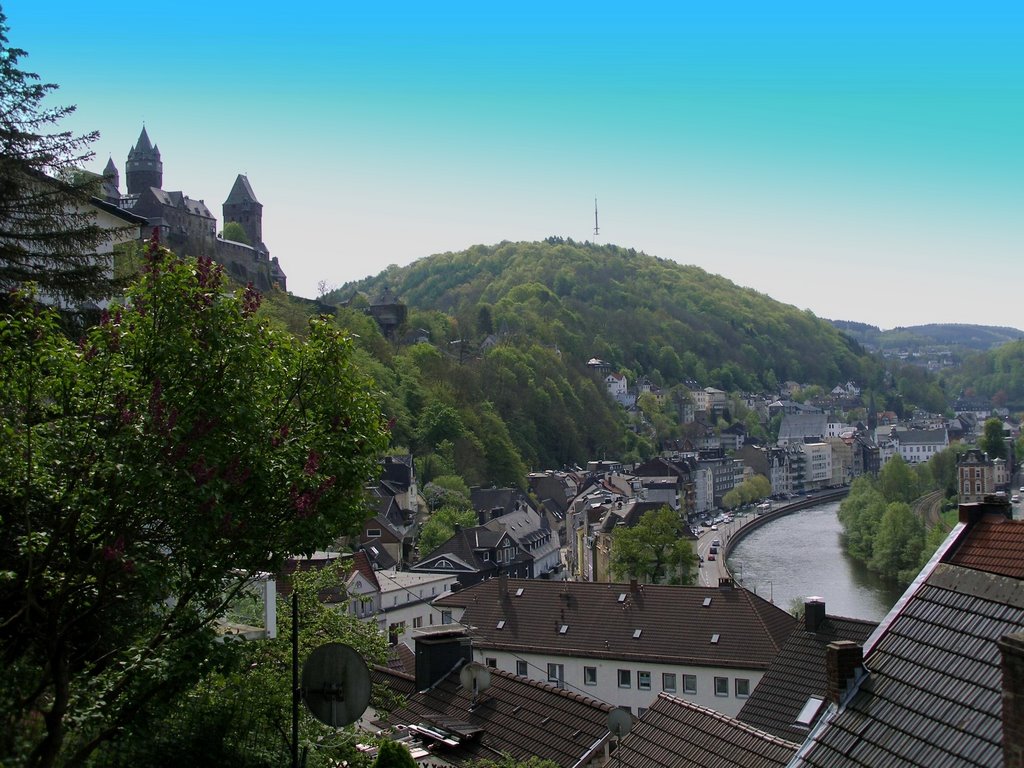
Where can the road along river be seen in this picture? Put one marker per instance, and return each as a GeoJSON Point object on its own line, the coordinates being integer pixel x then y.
{"type": "Point", "coordinates": [799, 555]}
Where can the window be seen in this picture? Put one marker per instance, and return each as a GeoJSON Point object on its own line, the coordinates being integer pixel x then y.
{"type": "Point", "coordinates": [721, 686]}
{"type": "Point", "coordinates": [590, 675]}
{"type": "Point", "coordinates": [373, 533]}
{"type": "Point", "coordinates": [668, 682]}
{"type": "Point", "coordinates": [643, 681]}
{"type": "Point", "coordinates": [446, 617]}
{"type": "Point", "coordinates": [556, 674]}
{"type": "Point", "coordinates": [742, 687]}
{"type": "Point", "coordinates": [624, 678]}
{"type": "Point", "coordinates": [521, 669]}
{"type": "Point", "coordinates": [492, 662]}
{"type": "Point", "coordinates": [689, 683]}
{"type": "Point", "coordinates": [417, 622]}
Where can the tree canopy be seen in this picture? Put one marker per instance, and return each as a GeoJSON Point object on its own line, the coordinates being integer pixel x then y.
{"type": "Point", "coordinates": [148, 473]}
{"type": "Point", "coordinates": [653, 550]}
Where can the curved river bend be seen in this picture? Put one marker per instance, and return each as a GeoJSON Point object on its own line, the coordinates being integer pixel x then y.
{"type": "Point", "coordinates": [800, 555]}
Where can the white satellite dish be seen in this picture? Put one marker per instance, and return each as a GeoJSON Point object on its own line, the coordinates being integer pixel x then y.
{"type": "Point", "coordinates": [475, 677]}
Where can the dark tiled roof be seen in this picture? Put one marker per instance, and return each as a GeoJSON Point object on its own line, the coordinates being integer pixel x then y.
{"type": "Point", "coordinates": [515, 715]}
{"type": "Point", "coordinates": [602, 621]}
{"type": "Point", "coordinates": [994, 545]}
{"type": "Point", "coordinates": [675, 733]}
{"type": "Point", "coordinates": [933, 695]}
{"type": "Point", "coordinates": [798, 673]}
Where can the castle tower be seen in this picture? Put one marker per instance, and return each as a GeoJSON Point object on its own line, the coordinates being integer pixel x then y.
{"type": "Point", "coordinates": [243, 207]}
{"type": "Point", "coordinates": [111, 187]}
{"type": "Point", "coordinates": [144, 169]}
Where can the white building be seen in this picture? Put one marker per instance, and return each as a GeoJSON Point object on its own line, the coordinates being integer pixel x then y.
{"type": "Point", "coordinates": [624, 644]}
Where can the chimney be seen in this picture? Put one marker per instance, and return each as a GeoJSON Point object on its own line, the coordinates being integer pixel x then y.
{"type": "Point", "coordinates": [438, 654]}
{"type": "Point", "coordinates": [633, 585]}
{"type": "Point", "coordinates": [503, 586]}
{"type": "Point", "coordinates": [1012, 647]}
{"type": "Point", "coordinates": [724, 582]}
{"type": "Point", "coordinates": [973, 512]}
{"type": "Point", "coordinates": [814, 613]}
{"type": "Point", "coordinates": [843, 659]}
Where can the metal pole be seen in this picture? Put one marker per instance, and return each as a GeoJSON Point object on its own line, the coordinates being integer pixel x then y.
{"type": "Point", "coordinates": [295, 677]}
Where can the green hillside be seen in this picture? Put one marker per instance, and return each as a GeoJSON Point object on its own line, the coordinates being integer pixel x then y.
{"type": "Point", "coordinates": [642, 314]}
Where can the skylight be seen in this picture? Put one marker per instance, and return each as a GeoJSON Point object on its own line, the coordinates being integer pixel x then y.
{"type": "Point", "coordinates": [563, 629]}
{"type": "Point", "coordinates": [806, 716]}
{"type": "Point", "coordinates": [636, 633]}
{"type": "Point", "coordinates": [622, 597]}
{"type": "Point", "coordinates": [501, 624]}
{"type": "Point", "coordinates": [707, 601]}
{"type": "Point", "coordinates": [714, 637]}
{"type": "Point", "coordinates": [519, 592]}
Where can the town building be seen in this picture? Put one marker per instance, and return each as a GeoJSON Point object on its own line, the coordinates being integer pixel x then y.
{"type": "Point", "coordinates": [625, 643]}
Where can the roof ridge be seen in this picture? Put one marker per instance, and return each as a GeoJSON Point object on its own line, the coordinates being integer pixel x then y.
{"type": "Point", "coordinates": [544, 685]}
{"type": "Point", "coordinates": [729, 720]}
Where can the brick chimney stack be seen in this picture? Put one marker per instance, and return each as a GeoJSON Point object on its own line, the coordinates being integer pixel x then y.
{"type": "Point", "coordinates": [1012, 647]}
{"type": "Point", "coordinates": [843, 659]}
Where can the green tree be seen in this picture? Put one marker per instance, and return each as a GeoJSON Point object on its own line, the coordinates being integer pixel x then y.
{"type": "Point", "coordinates": [992, 441]}
{"type": "Point", "coordinates": [653, 550]}
{"type": "Point", "coordinates": [236, 232]}
{"type": "Point", "coordinates": [898, 481]}
{"type": "Point", "coordinates": [441, 527]}
{"type": "Point", "coordinates": [147, 475]}
{"type": "Point", "coordinates": [234, 715]}
{"type": "Point", "coordinates": [898, 544]}
{"type": "Point", "coordinates": [48, 231]}
{"type": "Point", "coordinates": [391, 754]}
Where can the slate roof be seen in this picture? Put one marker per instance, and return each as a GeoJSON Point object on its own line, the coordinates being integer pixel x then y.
{"type": "Point", "coordinates": [797, 674]}
{"type": "Point", "coordinates": [675, 733]}
{"type": "Point", "coordinates": [241, 191]}
{"type": "Point", "coordinates": [933, 693]}
{"type": "Point", "coordinates": [516, 715]}
{"type": "Point", "coordinates": [677, 624]}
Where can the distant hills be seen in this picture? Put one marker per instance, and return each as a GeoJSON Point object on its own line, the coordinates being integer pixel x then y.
{"type": "Point", "coordinates": [919, 338]}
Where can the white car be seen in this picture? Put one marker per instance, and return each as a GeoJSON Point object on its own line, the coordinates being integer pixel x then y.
{"type": "Point", "coordinates": [1014, 499]}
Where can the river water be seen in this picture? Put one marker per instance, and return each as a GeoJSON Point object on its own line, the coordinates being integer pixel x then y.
{"type": "Point", "coordinates": [800, 555]}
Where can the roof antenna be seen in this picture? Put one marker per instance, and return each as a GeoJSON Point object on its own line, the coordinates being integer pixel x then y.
{"type": "Point", "coordinates": [597, 231]}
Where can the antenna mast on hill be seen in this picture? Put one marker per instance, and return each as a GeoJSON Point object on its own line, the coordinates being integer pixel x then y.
{"type": "Point", "coordinates": [597, 231]}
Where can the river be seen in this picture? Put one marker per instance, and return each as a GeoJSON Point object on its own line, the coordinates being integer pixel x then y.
{"type": "Point", "coordinates": [800, 555]}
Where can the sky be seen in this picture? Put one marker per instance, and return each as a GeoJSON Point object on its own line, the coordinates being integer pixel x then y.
{"type": "Point", "coordinates": [863, 160]}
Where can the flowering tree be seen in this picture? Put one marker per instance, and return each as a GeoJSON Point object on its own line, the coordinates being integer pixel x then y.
{"type": "Point", "coordinates": [148, 472]}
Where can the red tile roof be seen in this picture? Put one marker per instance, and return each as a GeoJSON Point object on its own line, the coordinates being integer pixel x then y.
{"type": "Point", "coordinates": [995, 545]}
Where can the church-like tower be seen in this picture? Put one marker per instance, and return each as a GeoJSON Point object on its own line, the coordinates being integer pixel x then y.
{"type": "Point", "coordinates": [243, 207]}
{"type": "Point", "coordinates": [144, 169]}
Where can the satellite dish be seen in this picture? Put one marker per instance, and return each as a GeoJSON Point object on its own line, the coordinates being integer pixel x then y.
{"type": "Point", "coordinates": [336, 684]}
{"type": "Point", "coordinates": [475, 677]}
{"type": "Point", "coordinates": [620, 722]}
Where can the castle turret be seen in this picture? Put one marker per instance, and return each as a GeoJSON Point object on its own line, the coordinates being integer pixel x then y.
{"type": "Point", "coordinates": [243, 207]}
{"type": "Point", "coordinates": [144, 169]}
{"type": "Point", "coordinates": [111, 183]}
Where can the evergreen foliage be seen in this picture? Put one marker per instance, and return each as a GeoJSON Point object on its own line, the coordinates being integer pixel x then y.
{"type": "Point", "coordinates": [48, 232]}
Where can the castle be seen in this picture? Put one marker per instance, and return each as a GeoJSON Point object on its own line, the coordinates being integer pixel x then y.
{"type": "Point", "coordinates": [187, 226]}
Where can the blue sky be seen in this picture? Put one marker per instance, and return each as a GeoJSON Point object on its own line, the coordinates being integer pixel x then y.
{"type": "Point", "coordinates": [864, 160]}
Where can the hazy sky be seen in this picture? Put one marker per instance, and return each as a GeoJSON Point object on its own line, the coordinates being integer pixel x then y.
{"type": "Point", "coordinates": [864, 160]}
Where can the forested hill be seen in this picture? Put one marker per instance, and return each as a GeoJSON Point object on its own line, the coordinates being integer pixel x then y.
{"type": "Point", "coordinates": [640, 313]}
{"type": "Point", "coordinates": [920, 338]}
